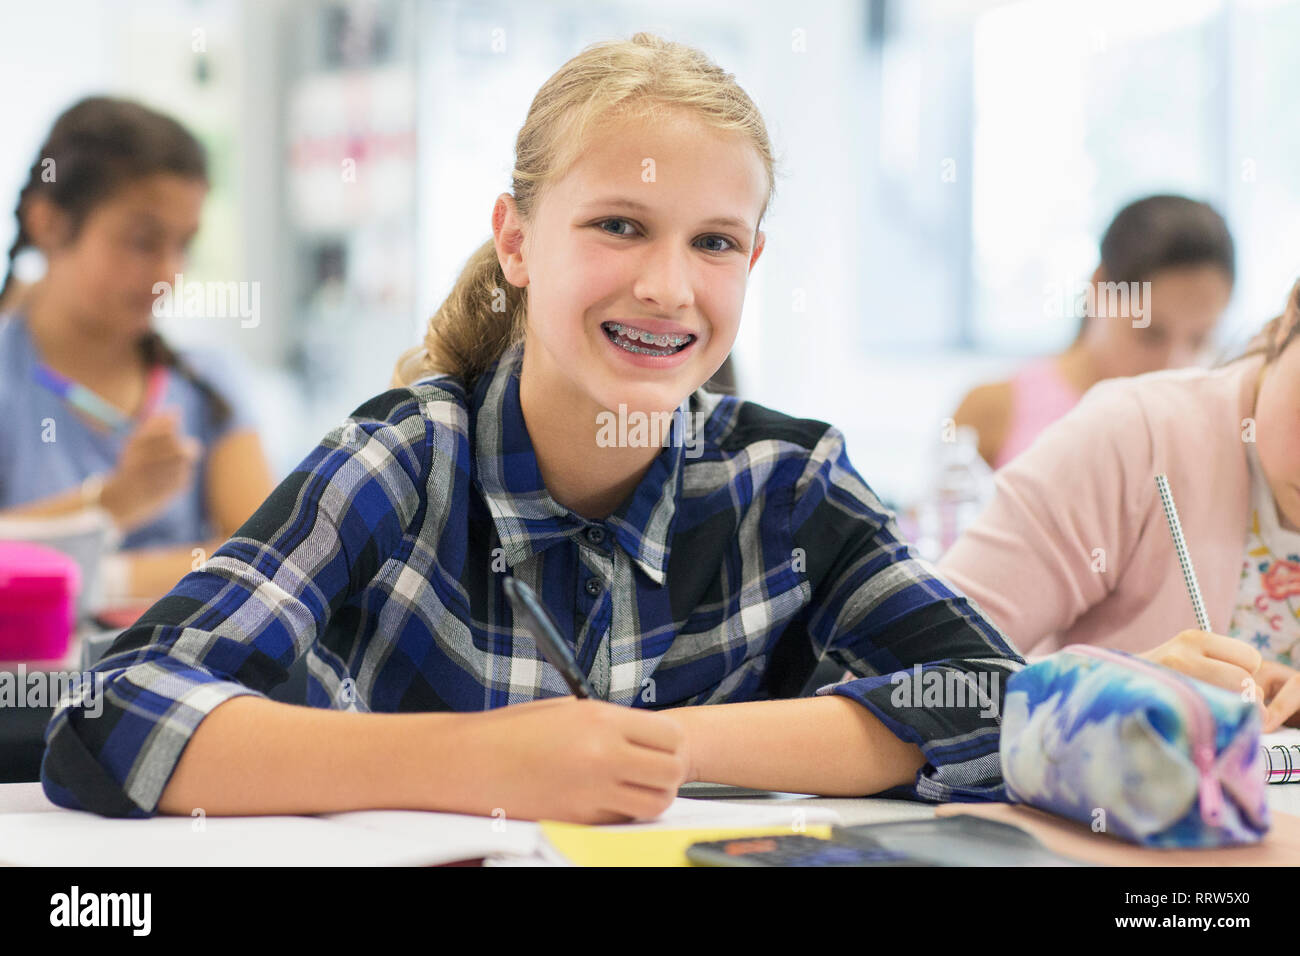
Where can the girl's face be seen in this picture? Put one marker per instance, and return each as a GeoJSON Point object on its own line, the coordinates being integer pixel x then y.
{"type": "Point", "coordinates": [653, 229]}
{"type": "Point", "coordinates": [1277, 427]}
{"type": "Point", "coordinates": [1182, 309]}
{"type": "Point", "coordinates": [136, 237]}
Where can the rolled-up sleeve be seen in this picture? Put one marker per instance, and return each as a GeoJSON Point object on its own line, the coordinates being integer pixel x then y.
{"type": "Point", "coordinates": [929, 665]}
{"type": "Point", "coordinates": [236, 625]}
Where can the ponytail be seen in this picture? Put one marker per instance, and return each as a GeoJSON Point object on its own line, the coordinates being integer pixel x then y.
{"type": "Point", "coordinates": [482, 317]}
{"type": "Point", "coordinates": [157, 352]}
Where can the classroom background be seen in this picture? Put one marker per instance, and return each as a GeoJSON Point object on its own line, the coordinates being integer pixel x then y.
{"type": "Point", "coordinates": [949, 167]}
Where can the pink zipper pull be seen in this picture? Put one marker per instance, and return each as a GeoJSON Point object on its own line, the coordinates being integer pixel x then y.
{"type": "Point", "coordinates": [1209, 790]}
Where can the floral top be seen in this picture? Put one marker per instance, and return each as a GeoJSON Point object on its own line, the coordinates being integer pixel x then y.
{"type": "Point", "coordinates": [1267, 613]}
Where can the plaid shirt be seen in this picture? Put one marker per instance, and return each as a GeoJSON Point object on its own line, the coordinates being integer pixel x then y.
{"type": "Point", "coordinates": [750, 551]}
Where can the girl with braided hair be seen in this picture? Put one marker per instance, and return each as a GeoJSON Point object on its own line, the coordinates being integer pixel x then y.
{"type": "Point", "coordinates": [96, 410]}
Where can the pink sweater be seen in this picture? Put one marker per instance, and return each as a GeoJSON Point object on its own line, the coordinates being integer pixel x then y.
{"type": "Point", "coordinates": [1074, 547]}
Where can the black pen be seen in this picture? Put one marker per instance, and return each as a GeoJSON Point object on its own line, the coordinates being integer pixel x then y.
{"type": "Point", "coordinates": [542, 627]}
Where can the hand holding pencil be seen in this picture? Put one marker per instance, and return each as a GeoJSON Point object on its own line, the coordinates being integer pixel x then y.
{"type": "Point", "coordinates": [1214, 658]}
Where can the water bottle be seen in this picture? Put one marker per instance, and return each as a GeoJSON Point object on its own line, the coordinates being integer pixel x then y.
{"type": "Point", "coordinates": [962, 486]}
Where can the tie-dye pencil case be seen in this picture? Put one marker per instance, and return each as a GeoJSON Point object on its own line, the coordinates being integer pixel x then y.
{"type": "Point", "coordinates": [1134, 749]}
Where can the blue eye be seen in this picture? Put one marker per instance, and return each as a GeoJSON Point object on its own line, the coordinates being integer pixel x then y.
{"type": "Point", "coordinates": [730, 245]}
{"type": "Point", "coordinates": [603, 221]}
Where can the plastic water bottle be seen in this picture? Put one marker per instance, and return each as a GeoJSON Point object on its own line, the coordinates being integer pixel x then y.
{"type": "Point", "coordinates": [962, 486]}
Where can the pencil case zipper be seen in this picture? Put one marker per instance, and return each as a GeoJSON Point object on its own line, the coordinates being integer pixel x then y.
{"type": "Point", "coordinates": [1209, 791]}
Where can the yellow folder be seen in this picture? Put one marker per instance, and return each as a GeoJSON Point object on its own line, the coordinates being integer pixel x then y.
{"type": "Point", "coordinates": [608, 846]}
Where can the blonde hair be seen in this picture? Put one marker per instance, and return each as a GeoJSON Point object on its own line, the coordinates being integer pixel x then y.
{"type": "Point", "coordinates": [644, 78]}
{"type": "Point", "coordinates": [1266, 342]}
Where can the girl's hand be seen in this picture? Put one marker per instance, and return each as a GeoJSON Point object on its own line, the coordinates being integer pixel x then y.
{"type": "Point", "coordinates": [1281, 688]}
{"type": "Point", "coordinates": [157, 463]}
{"type": "Point", "coordinates": [582, 761]}
{"type": "Point", "coordinates": [1223, 661]}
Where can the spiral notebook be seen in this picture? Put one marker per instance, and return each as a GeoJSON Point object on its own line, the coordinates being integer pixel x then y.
{"type": "Point", "coordinates": [1282, 756]}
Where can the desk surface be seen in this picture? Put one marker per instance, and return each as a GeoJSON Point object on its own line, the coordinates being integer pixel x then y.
{"type": "Point", "coordinates": [30, 798]}
{"type": "Point", "coordinates": [25, 806]}
{"type": "Point", "coordinates": [26, 798]}
{"type": "Point", "coordinates": [1283, 798]}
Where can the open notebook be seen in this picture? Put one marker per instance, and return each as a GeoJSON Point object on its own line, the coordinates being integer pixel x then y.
{"type": "Point", "coordinates": [363, 838]}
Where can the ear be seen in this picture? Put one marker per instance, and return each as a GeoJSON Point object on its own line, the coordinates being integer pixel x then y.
{"type": "Point", "coordinates": [45, 223]}
{"type": "Point", "coordinates": [760, 240]}
{"type": "Point", "coordinates": [508, 236]}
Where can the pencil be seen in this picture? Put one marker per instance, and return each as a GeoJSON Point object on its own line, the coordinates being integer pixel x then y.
{"type": "Point", "coordinates": [1184, 559]}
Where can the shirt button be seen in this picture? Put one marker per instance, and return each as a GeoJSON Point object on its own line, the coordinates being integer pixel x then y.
{"type": "Point", "coordinates": [595, 535]}
{"type": "Point", "coordinates": [593, 586]}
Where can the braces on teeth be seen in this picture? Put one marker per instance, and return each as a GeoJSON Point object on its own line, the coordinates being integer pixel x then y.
{"type": "Point", "coordinates": [648, 337]}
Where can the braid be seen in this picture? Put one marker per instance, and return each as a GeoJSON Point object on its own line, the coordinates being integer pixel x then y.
{"type": "Point", "coordinates": [156, 351]}
{"type": "Point", "coordinates": [22, 240]}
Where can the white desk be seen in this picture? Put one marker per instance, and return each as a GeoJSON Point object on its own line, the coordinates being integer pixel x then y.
{"type": "Point", "coordinates": [29, 798]}
{"type": "Point", "coordinates": [245, 840]}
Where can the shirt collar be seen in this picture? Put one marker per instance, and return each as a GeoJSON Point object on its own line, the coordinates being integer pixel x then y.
{"type": "Point", "coordinates": [527, 519]}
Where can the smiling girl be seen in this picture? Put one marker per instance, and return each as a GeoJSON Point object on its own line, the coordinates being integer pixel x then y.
{"type": "Point", "coordinates": [614, 281]}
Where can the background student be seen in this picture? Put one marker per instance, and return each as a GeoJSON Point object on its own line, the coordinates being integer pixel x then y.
{"type": "Point", "coordinates": [95, 408]}
{"type": "Point", "coordinates": [1074, 547]}
{"type": "Point", "coordinates": [716, 578]}
{"type": "Point", "coordinates": [1183, 248]}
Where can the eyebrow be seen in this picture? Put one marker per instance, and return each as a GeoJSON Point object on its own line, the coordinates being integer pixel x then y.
{"type": "Point", "coordinates": [643, 208]}
{"type": "Point", "coordinates": [154, 221]}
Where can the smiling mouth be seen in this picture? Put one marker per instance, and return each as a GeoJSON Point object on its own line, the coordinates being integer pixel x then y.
{"type": "Point", "coordinates": [642, 342]}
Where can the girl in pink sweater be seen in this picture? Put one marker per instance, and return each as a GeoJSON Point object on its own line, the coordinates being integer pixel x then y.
{"type": "Point", "coordinates": [1074, 548]}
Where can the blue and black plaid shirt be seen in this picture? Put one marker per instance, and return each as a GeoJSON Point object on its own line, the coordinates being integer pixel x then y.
{"type": "Point", "coordinates": [750, 551]}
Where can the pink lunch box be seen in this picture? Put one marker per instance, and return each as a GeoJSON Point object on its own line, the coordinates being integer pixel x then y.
{"type": "Point", "coordinates": [38, 601]}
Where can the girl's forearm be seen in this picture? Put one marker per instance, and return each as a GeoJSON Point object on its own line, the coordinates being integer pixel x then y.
{"type": "Point", "coordinates": [152, 572]}
{"type": "Point", "coordinates": [825, 745]}
{"type": "Point", "coordinates": [256, 756]}
{"type": "Point", "coordinates": [64, 503]}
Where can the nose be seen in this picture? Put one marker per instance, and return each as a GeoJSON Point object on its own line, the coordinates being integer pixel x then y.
{"type": "Point", "coordinates": [665, 278]}
{"type": "Point", "coordinates": [171, 262]}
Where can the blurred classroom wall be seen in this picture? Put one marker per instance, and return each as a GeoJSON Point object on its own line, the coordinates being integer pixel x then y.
{"type": "Point", "coordinates": [949, 167]}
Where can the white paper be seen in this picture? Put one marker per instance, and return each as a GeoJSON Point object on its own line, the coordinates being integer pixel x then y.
{"type": "Point", "coordinates": [73, 838]}
{"type": "Point", "coordinates": [686, 813]}
{"type": "Point", "coordinates": [59, 837]}
{"type": "Point", "coordinates": [447, 837]}
{"type": "Point", "coordinates": [1286, 737]}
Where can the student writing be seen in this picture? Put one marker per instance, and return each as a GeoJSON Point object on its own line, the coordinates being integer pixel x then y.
{"type": "Point", "coordinates": [715, 567]}
{"type": "Point", "coordinates": [1074, 547]}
